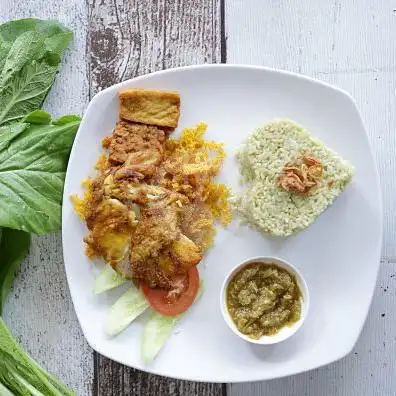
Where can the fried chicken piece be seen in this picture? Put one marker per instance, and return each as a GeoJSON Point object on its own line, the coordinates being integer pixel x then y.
{"type": "Point", "coordinates": [156, 230]}
{"type": "Point", "coordinates": [139, 165]}
{"type": "Point", "coordinates": [150, 107]}
{"type": "Point", "coordinates": [196, 222]}
{"type": "Point", "coordinates": [111, 225]}
{"type": "Point", "coordinates": [129, 138]}
{"type": "Point", "coordinates": [185, 252]}
{"type": "Point", "coordinates": [143, 194]}
{"type": "Point", "coordinates": [159, 250]}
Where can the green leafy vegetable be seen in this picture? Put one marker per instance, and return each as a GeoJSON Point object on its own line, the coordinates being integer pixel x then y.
{"type": "Point", "coordinates": [37, 117]}
{"type": "Point", "coordinates": [11, 30]}
{"type": "Point", "coordinates": [107, 279]}
{"type": "Point", "coordinates": [4, 391]}
{"type": "Point", "coordinates": [21, 375]}
{"type": "Point", "coordinates": [157, 330]}
{"type": "Point", "coordinates": [33, 161]}
{"type": "Point", "coordinates": [30, 55]}
{"type": "Point", "coordinates": [125, 310]}
{"type": "Point", "coordinates": [14, 248]}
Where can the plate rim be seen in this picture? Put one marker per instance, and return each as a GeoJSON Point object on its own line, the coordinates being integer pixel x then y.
{"type": "Point", "coordinates": [242, 67]}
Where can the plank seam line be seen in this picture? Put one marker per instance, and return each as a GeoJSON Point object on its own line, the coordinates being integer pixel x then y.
{"type": "Point", "coordinates": [223, 38]}
{"type": "Point", "coordinates": [164, 38]}
{"type": "Point", "coordinates": [95, 382]}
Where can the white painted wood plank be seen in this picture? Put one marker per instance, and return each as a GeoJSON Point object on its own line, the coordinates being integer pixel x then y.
{"type": "Point", "coordinates": [39, 311]}
{"type": "Point", "coordinates": [349, 44]}
{"type": "Point", "coordinates": [274, 35]}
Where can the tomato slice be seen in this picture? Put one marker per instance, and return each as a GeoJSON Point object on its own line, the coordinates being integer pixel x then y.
{"type": "Point", "coordinates": [174, 302]}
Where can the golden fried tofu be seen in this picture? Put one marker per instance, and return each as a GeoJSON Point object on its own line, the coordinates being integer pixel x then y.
{"type": "Point", "coordinates": [150, 107]}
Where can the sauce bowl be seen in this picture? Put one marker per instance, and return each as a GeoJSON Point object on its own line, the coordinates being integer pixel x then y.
{"type": "Point", "coordinates": [285, 332]}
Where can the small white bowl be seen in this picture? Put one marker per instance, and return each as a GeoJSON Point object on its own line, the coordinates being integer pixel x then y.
{"type": "Point", "coordinates": [286, 331]}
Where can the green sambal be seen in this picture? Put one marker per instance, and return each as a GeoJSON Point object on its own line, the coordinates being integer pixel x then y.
{"type": "Point", "coordinates": [262, 299]}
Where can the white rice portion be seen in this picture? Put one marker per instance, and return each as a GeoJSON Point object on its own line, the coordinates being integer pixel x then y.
{"type": "Point", "coordinates": [264, 204]}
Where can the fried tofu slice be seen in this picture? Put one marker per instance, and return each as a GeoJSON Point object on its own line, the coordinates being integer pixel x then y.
{"type": "Point", "coordinates": [161, 108]}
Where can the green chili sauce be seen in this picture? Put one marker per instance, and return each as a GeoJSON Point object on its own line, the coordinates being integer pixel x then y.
{"type": "Point", "coordinates": [262, 299]}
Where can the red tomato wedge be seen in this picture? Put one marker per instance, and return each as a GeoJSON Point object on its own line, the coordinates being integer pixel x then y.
{"type": "Point", "coordinates": [174, 302]}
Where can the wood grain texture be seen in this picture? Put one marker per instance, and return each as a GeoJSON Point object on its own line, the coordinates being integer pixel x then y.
{"type": "Point", "coordinates": [116, 379]}
{"type": "Point", "coordinates": [131, 38]}
{"type": "Point", "coordinates": [349, 44]}
{"type": "Point", "coordinates": [39, 311]}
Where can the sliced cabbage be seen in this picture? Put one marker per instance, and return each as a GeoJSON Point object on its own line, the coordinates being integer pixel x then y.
{"type": "Point", "coordinates": [107, 279]}
{"type": "Point", "coordinates": [126, 309]}
{"type": "Point", "coordinates": [157, 330]}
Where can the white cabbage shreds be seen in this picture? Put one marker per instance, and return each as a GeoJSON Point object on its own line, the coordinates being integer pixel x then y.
{"type": "Point", "coordinates": [262, 158]}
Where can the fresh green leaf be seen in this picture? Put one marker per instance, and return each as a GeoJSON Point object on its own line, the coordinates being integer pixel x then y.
{"type": "Point", "coordinates": [58, 43]}
{"type": "Point", "coordinates": [21, 375]}
{"type": "Point", "coordinates": [9, 132]}
{"type": "Point", "coordinates": [27, 47]}
{"type": "Point", "coordinates": [4, 50]}
{"type": "Point", "coordinates": [66, 119]}
{"type": "Point", "coordinates": [11, 30]}
{"type": "Point", "coordinates": [125, 310]}
{"type": "Point", "coordinates": [14, 248]}
{"type": "Point", "coordinates": [30, 54]}
{"type": "Point", "coordinates": [39, 117]}
{"type": "Point", "coordinates": [107, 279]}
{"type": "Point", "coordinates": [27, 91]}
{"type": "Point", "coordinates": [157, 330]}
{"type": "Point", "coordinates": [32, 171]}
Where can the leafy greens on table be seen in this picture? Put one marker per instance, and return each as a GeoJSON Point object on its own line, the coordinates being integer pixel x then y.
{"type": "Point", "coordinates": [33, 161]}
{"type": "Point", "coordinates": [30, 56]}
{"type": "Point", "coordinates": [34, 153]}
{"type": "Point", "coordinates": [14, 247]}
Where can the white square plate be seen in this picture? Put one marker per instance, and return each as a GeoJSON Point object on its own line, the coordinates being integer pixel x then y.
{"type": "Point", "coordinates": [338, 255]}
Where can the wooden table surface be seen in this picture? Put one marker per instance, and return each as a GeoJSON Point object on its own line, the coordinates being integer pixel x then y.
{"type": "Point", "coordinates": [347, 43]}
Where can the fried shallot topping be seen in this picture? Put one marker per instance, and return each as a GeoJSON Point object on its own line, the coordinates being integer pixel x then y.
{"type": "Point", "coordinates": [302, 176]}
